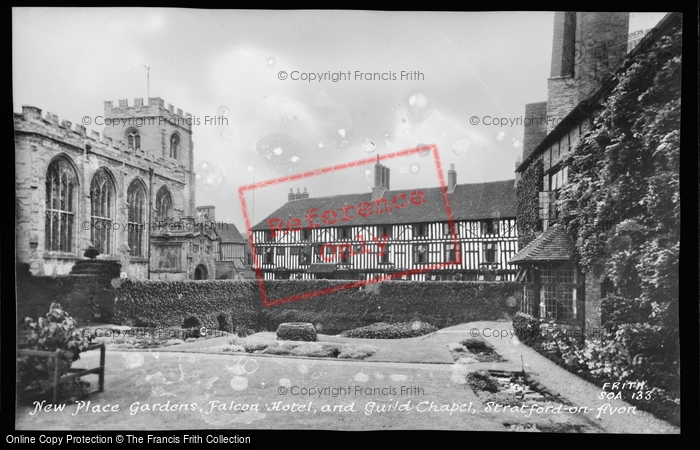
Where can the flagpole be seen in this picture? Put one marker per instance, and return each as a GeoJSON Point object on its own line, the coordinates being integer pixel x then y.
{"type": "Point", "coordinates": [148, 82]}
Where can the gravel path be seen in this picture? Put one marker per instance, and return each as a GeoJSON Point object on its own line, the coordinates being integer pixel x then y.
{"type": "Point", "coordinates": [559, 380]}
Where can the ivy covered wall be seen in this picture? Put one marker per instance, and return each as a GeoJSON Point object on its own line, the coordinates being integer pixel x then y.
{"type": "Point", "coordinates": [527, 192]}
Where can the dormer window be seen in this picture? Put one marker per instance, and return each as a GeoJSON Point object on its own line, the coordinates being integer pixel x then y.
{"type": "Point", "coordinates": [133, 140]}
{"type": "Point", "coordinates": [174, 145]}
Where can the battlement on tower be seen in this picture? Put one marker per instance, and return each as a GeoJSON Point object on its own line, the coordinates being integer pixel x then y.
{"type": "Point", "coordinates": [155, 108]}
{"type": "Point", "coordinates": [33, 120]}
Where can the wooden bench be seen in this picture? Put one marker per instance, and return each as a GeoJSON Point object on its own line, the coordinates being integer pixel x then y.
{"type": "Point", "coordinates": [72, 372]}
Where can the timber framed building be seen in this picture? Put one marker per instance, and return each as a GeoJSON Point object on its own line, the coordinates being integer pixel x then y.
{"type": "Point", "coordinates": [385, 233]}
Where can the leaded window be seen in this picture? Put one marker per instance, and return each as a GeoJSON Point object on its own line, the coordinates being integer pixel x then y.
{"type": "Point", "coordinates": [136, 202]}
{"type": "Point", "coordinates": [164, 205]}
{"type": "Point", "coordinates": [61, 189]}
{"type": "Point", "coordinates": [450, 252]}
{"type": "Point", "coordinates": [102, 203]}
{"type": "Point", "coordinates": [420, 253]}
{"type": "Point", "coordinates": [174, 145]}
{"type": "Point", "coordinates": [133, 140]}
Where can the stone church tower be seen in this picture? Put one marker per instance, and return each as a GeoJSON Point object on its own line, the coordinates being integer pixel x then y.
{"type": "Point", "coordinates": [113, 191]}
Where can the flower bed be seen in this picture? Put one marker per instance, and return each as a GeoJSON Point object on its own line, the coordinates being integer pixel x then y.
{"type": "Point", "coordinates": [606, 360]}
{"type": "Point", "coordinates": [266, 343]}
{"type": "Point", "coordinates": [391, 330]}
{"type": "Point", "coordinates": [145, 337]}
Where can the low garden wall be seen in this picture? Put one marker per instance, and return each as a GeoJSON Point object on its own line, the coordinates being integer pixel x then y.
{"type": "Point", "coordinates": [224, 304]}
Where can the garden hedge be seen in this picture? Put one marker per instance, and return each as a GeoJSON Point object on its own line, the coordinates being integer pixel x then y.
{"type": "Point", "coordinates": [227, 304]}
{"type": "Point", "coordinates": [296, 331]}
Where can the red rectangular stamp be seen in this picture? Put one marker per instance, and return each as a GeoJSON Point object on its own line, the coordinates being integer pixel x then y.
{"type": "Point", "coordinates": [298, 222]}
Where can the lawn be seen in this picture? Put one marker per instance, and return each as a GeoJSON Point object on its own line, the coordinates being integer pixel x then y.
{"type": "Point", "coordinates": [153, 389]}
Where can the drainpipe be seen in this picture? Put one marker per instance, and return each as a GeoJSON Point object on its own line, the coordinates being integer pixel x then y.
{"type": "Point", "coordinates": [150, 213]}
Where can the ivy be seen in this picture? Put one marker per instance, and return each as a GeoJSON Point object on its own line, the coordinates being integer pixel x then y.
{"type": "Point", "coordinates": [238, 303]}
{"type": "Point", "coordinates": [625, 171]}
{"type": "Point", "coordinates": [527, 193]}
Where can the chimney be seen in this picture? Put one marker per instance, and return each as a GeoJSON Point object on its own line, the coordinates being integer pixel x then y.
{"type": "Point", "coordinates": [585, 48]}
{"type": "Point", "coordinates": [517, 174]}
{"type": "Point", "coordinates": [290, 196]}
{"type": "Point", "coordinates": [535, 127]}
{"type": "Point", "coordinates": [305, 194]}
{"type": "Point", "coordinates": [381, 180]}
{"type": "Point", "coordinates": [378, 174]}
{"type": "Point", "coordinates": [451, 179]}
{"type": "Point", "coordinates": [297, 196]}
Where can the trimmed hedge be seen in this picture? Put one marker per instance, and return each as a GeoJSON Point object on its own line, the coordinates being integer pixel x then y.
{"type": "Point", "coordinates": [238, 303]}
{"type": "Point", "coordinates": [296, 331]}
{"type": "Point", "coordinates": [391, 331]}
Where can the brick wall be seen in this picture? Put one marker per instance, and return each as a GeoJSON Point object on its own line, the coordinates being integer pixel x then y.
{"type": "Point", "coordinates": [536, 130]}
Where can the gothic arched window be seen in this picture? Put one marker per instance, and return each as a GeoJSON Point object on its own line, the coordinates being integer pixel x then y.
{"type": "Point", "coordinates": [136, 202]}
{"type": "Point", "coordinates": [164, 205]}
{"type": "Point", "coordinates": [102, 201]}
{"type": "Point", "coordinates": [174, 145]}
{"type": "Point", "coordinates": [61, 190]}
{"type": "Point", "coordinates": [133, 139]}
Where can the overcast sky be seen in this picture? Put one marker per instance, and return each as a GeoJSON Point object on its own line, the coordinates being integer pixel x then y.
{"type": "Point", "coordinates": [228, 64]}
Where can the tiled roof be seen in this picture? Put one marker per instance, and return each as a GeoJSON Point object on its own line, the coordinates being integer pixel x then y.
{"type": "Point", "coordinates": [552, 245]}
{"type": "Point", "coordinates": [468, 202]}
{"type": "Point", "coordinates": [229, 234]}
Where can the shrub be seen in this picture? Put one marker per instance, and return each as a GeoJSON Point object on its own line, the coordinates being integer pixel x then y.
{"type": "Point", "coordinates": [275, 350]}
{"type": "Point", "coordinates": [526, 327]}
{"type": "Point", "coordinates": [482, 380]}
{"type": "Point", "coordinates": [58, 331]}
{"type": "Point", "coordinates": [357, 352]}
{"type": "Point", "coordinates": [383, 330]}
{"type": "Point", "coordinates": [468, 359]}
{"type": "Point", "coordinates": [625, 352]}
{"type": "Point", "coordinates": [296, 331]}
{"type": "Point", "coordinates": [455, 347]}
{"type": "Point", "coordinates": [91, 252]}
{"type": "Point", "coordinates": [475, 344]}
{"type": "Point", "coordinates": [243, 331]}
{"type": "Point", "coordinates": [309, 349]}
{"type": "Point", "coordinates": [253, 343]}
